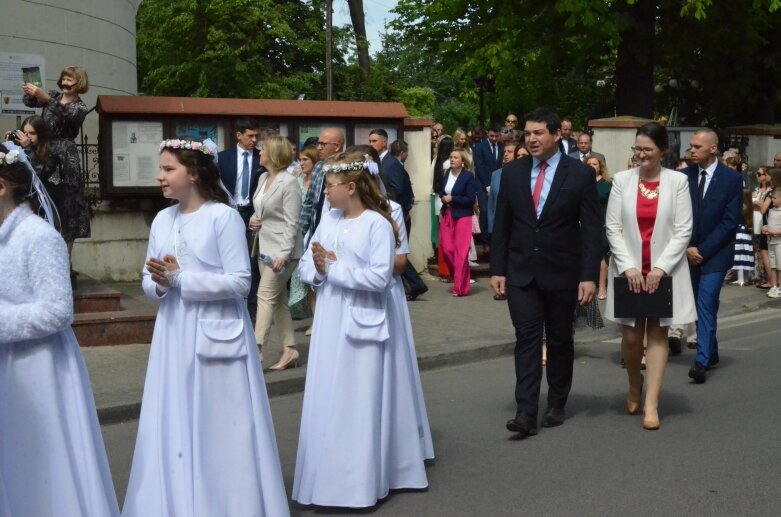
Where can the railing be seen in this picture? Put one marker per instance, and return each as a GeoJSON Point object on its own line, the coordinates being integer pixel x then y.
{"type": "Point", "coordinates": [90, 171]}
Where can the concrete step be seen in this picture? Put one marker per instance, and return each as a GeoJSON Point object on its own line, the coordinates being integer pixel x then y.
{"type": "Point", "coordinates": [114, 327]}
{"type": "Point", "coordinates": [91, 296]}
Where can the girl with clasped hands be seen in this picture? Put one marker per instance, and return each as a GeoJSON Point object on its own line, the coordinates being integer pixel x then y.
{"type": "Point", "coordinates": [649, 223]}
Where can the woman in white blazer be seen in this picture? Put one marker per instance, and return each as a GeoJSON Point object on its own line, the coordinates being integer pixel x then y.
{"type": "Point", "coordinates": [277, 203]}
{"type": "Point", "coordinates": [649, 223]}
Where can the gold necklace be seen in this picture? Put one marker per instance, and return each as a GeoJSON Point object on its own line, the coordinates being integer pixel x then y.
{"type": "Point", "coordinates": [648, 193]}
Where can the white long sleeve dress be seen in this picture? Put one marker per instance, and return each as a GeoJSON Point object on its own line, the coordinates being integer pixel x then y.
{"type": "Point", "coordinates": [360, 434]}
{"type": "Point", "coordinates": [52, 458]}
{"type": "Point", "coordinates": [206, 443]}
{"type": "Point", "coordinates": [398, 314]}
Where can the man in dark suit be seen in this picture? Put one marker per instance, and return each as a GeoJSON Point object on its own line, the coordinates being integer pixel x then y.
{"type": "Point", "coordinates": [239, 172]}
{"type": "Point", "coordinates": [393, 171]}
{"type": "Point", "coordinates": [584, 149]}
{"type": "Point", "coordinates": [568, 144]}
{"type": "Point", "coordinates": [488, 157]}
{"type": "Point", "coordinates": [414, 285]}
{"type": "Point", "coordinates": [545, 259]}
{"type": "Point", "coordinates": [717, 202]}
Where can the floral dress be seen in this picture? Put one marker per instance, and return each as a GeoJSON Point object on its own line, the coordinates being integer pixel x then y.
{"type": "Point", "coordinates": [64, 122]}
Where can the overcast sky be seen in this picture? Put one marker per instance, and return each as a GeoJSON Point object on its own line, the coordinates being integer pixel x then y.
{"type": "Point", "coordinates": [377, 13]}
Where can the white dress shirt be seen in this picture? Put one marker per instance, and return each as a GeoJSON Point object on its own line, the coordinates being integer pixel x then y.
{"type": "Point", "coordinates": [242, 200]}
{"type": "Point", "coordinates": [708, 175]}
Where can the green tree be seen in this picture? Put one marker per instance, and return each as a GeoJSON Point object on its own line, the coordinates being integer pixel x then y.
{"type": "Point", "coordinates": [236, 48]}
{"type": "Point", "coordinates": [590, 58]}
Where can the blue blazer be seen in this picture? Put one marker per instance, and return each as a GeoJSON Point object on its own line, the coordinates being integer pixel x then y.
{"type": "Point", "coordinates": [716, 219]}
{"type": "Point", "coordinates": [562, 247]}
{"type": "Point", "coordinates": [463, 193]}
{"type": "Point", "coordinates": [485, 163]}
{"type": "Point", "coordinates": [226, 161]}
{"type": "Point", "coordinates": [398, 181]}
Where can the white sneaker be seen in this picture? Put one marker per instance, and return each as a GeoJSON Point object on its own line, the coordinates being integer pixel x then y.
{"type": "Point", "coordinates": [774, 292]}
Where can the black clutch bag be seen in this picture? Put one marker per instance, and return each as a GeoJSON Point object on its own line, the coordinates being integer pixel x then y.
{"type": "Point", "coordinates": [627, 304]}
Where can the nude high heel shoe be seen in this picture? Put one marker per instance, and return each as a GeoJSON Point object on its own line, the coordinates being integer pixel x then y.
{"type": "Point", "coordinates": [650, 423]}
{"type": "Point", "coordinates": [633, 400]}
{"type": "Point", "coordinates": [286, 360]}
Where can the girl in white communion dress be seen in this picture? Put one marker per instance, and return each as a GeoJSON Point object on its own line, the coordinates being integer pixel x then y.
{"type": "Point", "coordinates": [52, 458]}
{"type": "Point", "coordinates": [206, 444]}
{"type": "Point", "coordinates": [361, 433]}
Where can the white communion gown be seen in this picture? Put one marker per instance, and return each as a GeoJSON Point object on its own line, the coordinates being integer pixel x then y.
{"type": "Point", "coordinates": [399, 319]}
{"type": "Point", "coordinates": [206, 445]}
{"type": "Point", "coordinates": [360, 434]}
{"type": "Point", "coordinates": [52, 458]}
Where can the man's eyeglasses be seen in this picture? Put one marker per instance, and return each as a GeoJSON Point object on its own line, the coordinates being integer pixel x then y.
{"type": "Point", "coordinates": [644, 150]}
{"type": "Point", "coordinates": [323, 144]}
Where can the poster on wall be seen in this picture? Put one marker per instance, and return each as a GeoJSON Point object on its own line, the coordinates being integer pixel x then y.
{"type": "Point", "coordinates": [198, 132]}
{"type": "Point", "coordinates": [306, 131]}
{"type": "Point", "coordinates": [135, 150]}
{"type": "Point", "coordinates": [14, 70]}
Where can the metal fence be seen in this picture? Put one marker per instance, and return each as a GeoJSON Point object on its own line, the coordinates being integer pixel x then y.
{"type": "Point", "coordinates": [90, 171]}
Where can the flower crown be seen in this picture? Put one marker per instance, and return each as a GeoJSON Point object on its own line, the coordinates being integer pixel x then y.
{"type": "Point", "coordinates": [369, 164]}
{"type": "Point", "coordinates": [189, 145]}
{"type": "Point", "coordinates": [9, 157]}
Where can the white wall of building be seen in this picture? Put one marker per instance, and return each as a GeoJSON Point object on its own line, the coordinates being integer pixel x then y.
{"type": "Point", "coordinates": [99, 35]}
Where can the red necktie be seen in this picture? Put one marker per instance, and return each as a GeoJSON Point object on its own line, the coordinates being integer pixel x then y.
{"type": "Point", "coordinates": [538, 185]}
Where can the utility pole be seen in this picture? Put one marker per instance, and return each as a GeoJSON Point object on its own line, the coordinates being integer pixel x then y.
{"type": "Point", "coordinates": [329, 36]}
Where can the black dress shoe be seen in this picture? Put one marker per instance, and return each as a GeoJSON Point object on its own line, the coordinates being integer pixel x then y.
{"type": "Point", "coordinates": [697, 373]}
{"type": "Point", "coordinates": [553, 417]}
{"type": "Point", "coordinates": [413, 295]}
{"type": "Point", "coordinates": [523, 424]}
{"type": "Point", "coordinates": [714, 360]}
{"type": "Point", "coordinates": [675, 345]}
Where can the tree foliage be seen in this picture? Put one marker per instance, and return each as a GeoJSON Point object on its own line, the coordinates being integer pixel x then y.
{"type": "Point", "coordinates": [236, 48]}
{"type": "Point", "coordinates": [591, 58]}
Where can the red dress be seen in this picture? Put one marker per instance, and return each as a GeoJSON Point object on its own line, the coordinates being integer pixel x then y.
{"type": "Point", "coordinates": [646, 217]}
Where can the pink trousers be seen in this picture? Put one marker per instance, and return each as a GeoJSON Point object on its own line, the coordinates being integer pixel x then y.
{"type": "Point", "coordinates": [455, 235]}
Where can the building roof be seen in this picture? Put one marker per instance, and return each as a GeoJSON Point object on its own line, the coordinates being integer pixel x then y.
{"type": "Point", "coordinates": [130, 105]}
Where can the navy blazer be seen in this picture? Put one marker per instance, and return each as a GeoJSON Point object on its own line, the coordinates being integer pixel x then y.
{"type": "Point", "coordinates": [463, 193]}
{"type": "Point", "coordinates": [560, 249]}
{"type": "Point", "coordinates": [485, 163]}
{"type": "Point", "coordinates": [226, 161]}
{"type": "Point", "coordinates": [398, 180]}
{"type": "Point", "coordinates": [716, 219]}
{"type": "Point", "coordinates": [573, 145]}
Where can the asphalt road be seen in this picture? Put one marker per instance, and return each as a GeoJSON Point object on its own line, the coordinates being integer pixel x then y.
{"type": "Point", "coordinates": [717, 452]}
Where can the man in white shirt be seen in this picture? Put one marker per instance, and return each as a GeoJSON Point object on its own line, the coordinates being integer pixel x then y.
{"type": "Point", "coordinates": [239, 172]}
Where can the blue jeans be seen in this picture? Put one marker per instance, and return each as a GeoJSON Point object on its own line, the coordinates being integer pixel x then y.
{"type": "Point", "coordinates": [707, 287]}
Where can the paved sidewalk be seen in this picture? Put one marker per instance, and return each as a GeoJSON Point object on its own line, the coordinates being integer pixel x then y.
{"type": "Point", "coordinates": [447, 331]}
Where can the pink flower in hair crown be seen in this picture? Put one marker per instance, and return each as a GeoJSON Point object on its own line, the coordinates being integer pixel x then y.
{"type": "Point", "coordinates": [175, 143]}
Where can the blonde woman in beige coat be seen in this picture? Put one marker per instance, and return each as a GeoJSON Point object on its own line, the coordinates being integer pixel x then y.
{"type": "Point", "coordinates": [668, 229]}
{"type": "Point", "coordinates": [277, 203]}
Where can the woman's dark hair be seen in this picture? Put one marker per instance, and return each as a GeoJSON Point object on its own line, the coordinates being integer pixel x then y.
{"type": "Point", "coordinates": [311, 142]}
{"type": "Point", "coordinates": [444, 148]}
{"type": "Point", "coordinates": [311, 153]}
{"type": "Point", "coordinates": [201, 166]}
{"type": "Point", "coordinates": [18, 180]}
{"type": "Point", "coordinates": [656, 132]}
{"type": "Point", "coordinates": [42, 131]}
